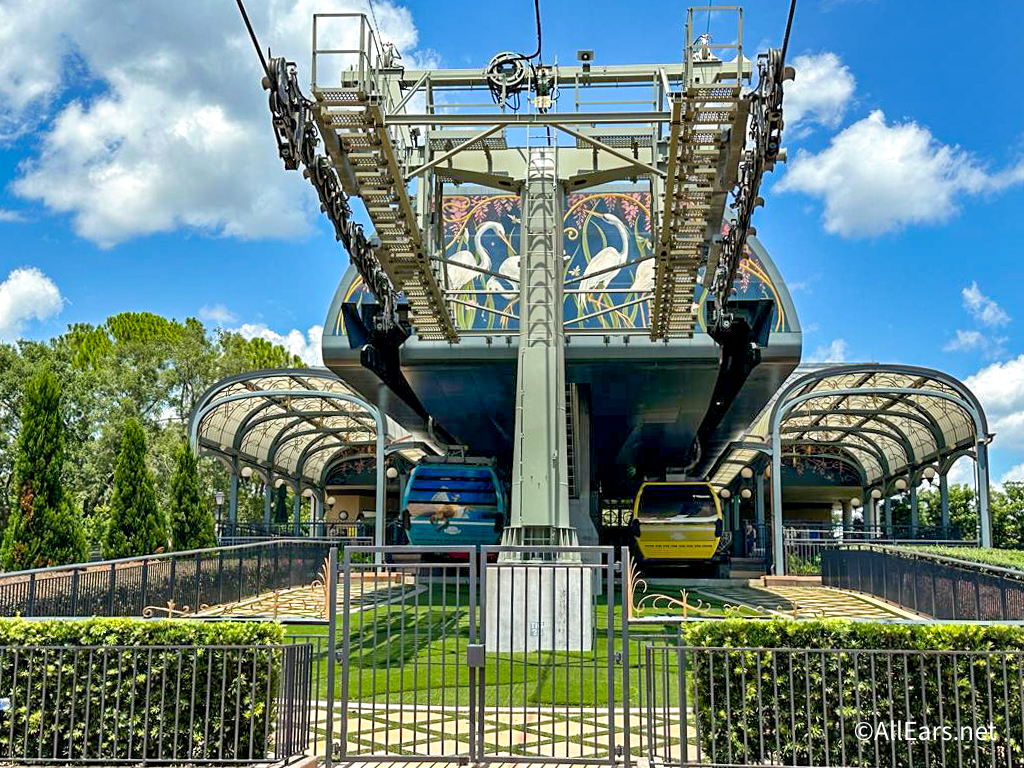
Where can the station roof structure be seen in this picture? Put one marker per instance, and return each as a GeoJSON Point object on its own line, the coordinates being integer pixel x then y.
{"type": "Point", "coordinates": [294, 424]}
{"type": "Point", "coordinates": [890, 421]}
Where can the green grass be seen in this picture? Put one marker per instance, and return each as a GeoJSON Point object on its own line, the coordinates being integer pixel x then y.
{"type": "Point", "coordinates": [415, 651]}
{"type": "Point", "coordinates": [1005, 558]}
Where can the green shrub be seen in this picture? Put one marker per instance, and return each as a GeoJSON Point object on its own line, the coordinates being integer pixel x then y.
{"type": "Point", "coordinates": [801, 706]}
{"type": "Point", "coordinates": [79, 689]}
{"type": "Point", "coordinates": [1005, 558]}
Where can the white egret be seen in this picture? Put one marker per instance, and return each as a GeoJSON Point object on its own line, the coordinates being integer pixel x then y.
{"type": "Point", "coordinates": [509, 269]}
{"type": "Point", "coordinates": [461, 276]}
{"type": "Point", "coordinates": [607, 257]}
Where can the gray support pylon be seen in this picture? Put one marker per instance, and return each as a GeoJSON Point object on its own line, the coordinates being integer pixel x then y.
{"type": "Point", "coordinates": [759, 500]}
{"type": "Point", "coordinates": [915, 510]}
{"type": "Point", "coordinates": [296, 511]}
{"type": "Point", "coordinates": [268, 490]}
{"type": "Point", "coordinates": [233, 499]}
{"type": "Point", "coordinates": [984, 521]}
{"type": "Point", "coordinates": [540, 476]}
{"type": "Point", "coordinates": [944, 503]}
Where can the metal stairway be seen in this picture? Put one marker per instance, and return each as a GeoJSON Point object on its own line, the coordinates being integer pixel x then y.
{"type": "Point", "coordinates": [706, 130]}
{"type": "Point", "coordinates": [367, 149]}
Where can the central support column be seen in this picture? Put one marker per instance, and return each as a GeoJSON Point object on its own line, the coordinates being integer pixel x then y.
{"type": "Point", "coordinates": [540, 475]}
{"type": "Point", "coordinates": [540, 600]}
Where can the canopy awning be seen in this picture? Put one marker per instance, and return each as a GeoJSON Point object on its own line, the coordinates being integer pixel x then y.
{"type": "Point", "coordinates": [294, 424]}
{"type": "Point", "coordinates": [888, 420]}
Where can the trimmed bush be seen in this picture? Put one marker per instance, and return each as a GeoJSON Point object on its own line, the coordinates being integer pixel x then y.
{"type": "Point", "coordinates": [801, 706]}
{"type": "Point", "coordinates": [79, 689]}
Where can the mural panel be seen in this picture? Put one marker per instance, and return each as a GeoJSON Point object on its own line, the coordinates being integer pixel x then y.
{"type": "Point", "coordinates": [607, 260]}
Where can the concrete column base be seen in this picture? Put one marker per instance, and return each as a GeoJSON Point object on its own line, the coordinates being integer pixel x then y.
{"type": "Point", "coordinates": [539, 607]}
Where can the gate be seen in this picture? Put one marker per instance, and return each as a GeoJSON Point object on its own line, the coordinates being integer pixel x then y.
{"type": "Point", "coordinates": [504, 654]}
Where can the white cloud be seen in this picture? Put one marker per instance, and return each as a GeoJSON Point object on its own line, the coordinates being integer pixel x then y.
{"type": "Point", "coordinates": [982, 308]}
{"type": "Point", "coordinates": [11, 217]}
{"type": "Point", "coordinates": [1013, 474]}
{"type": "Point", "coordinates": [821, 91]}
{"type": "Point", "coordinates": [970, 341]}
{"type": "Point", "coordinates": [962, 472]}
{"type": "Point", "coordinates": [834, 352]}
{"type": "Point", "coordinates": [27, 294]}
{"type": "Point", "coordinates": [1000, 387]}
{"type": "Point", "coordinates": [217, 313]}
{"type": "Point", "coordinates": [305, 345]}
{"type": "Point", "coordinates": [178, 135]}
{"type": "Point", "coordinates": [876, 177]}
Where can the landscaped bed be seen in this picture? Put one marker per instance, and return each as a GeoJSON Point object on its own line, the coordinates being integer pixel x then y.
{"type": "Point", "coordinates": [1004, 558]}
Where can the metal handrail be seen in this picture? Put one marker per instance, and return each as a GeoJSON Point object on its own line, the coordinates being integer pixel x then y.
{"type": "Point", "coordinates": [910, 554]}
{"type": "Point", "coordinates": [149, 558]}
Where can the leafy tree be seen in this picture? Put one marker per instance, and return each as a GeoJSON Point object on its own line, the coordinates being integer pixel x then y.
{"type": "Point", "coordinates": [43, 529]}
{"type": "Point", "coordinates": [1007, 510]}
{"type": "Point", "coordinates": [192, 525]}
{"type": "Point", "coordinates": [137, 525]}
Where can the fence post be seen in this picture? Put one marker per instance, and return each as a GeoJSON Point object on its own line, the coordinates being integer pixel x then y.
{"type": "Point", "coordinates": [31, 595]}
{"type": "Point", "coordinates": [220, 577]}
{"type": "Point", "coordinates": [174, 577]}
{"type": "Point", "coordinates": [145, 585]}
{"type": "Point", "coordinates": [332, 626]}
{"type": "Point", "coordinates": [110, 590]}
{"type": "Point", "coordinates": [199, 581]}
{"type": "Point", "coordinates": [624, 618]}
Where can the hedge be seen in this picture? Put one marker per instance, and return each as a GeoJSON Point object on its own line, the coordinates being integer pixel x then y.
{"type": "Point", "coordinates": [1004, 558]}
{"type": "Point", "coordinates": [757, 715]}
{"type": "Point", "coordinates": [128, 689]}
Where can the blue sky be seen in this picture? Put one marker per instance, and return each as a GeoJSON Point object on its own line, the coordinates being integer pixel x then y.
{"type": "Point", "coordinates": [138, 169]}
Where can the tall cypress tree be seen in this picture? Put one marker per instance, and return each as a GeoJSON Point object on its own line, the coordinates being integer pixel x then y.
{"type": "Point", "coordinates": [192, 525]}
{"type": "Point", "coordinates": [43, 530]}
{"type": "Point", "coordinates": [137, 526]}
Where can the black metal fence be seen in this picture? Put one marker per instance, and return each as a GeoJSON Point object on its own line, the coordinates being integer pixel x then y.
{"type": "Point", "coordinates": [182, 580]}
{"type": "Point", "coordinates": [833, 707]}
{"type": "Point", "coordinates": [361, 532]}
{"type": "Point", "coordinates": [940, 587]}
{"type": "Point", "coordinates": [145, 704]}
{"type": "Point", "coordinates": [805, 546]}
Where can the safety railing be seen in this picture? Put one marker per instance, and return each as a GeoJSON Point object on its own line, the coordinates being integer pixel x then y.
{"type": "Point", "coordinates": [342, 533]}
{"type": "Point", "coordinates": [804, 545]}
{"type": "Point", "coordinates": [939, 587]}
{"type": "Point", "coordinates": [832, 707]}
{"type": "Point", "coordinates": [170, 584]}
{"type": "Point", "coordinates": [154, 704]}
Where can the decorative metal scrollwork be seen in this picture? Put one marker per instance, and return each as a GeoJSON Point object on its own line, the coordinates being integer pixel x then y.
{"type": "Point", "coordinates": [765, 143]}
{"type": "Point", "coordinates": [297, 139]}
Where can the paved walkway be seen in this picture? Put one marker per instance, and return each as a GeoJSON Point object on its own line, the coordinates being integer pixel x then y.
{"type": "Point", "coordinates": [538, 732]}
{"type": "Point", "coordinates": [802, 601]}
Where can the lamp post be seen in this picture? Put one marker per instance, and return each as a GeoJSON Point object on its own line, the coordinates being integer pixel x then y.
{"type": "Point", "coordinates": [219, 498]}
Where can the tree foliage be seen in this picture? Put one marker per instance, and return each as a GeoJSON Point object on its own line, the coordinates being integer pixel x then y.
{"type": "Point", "coordinates": [137, 526]}
{"type": "Point", "coordinates": [134, 366]}
{"type": "Point", "coordinates": [192, 525]}
{"type": "Point", "coordinates": [42, 529]}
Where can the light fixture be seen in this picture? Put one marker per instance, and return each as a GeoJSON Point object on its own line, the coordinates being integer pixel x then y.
{"type": "Point", "coordinates": [724, 493]}
{"type": "Point", "coordinates": [901, 484]}
{"type": "Point", "coordinates": [246, 472]}
{"type": "Point", "coordinates": [330, 501]}
{"type": "Point", "coordinates": [219, 496]}
{"type": "Point", "coordinates": [746, 493]}
{"type": "Point", "coordinates": [308, 493]}
{"type": "Point", "coordinates": [746, 473]}
{"type": "Point", "coordinates": [279, 482]}
{"type": "Point", "coordinates": [343, 515]}
{"type": "Point", "coordinates": [837, 506]}
{"type": "Point", "coordinates": [876, 493]}
{"type": "Point", "coordinates": [855, 501]}
{"type": "Point", "coordinates": [929, 473]}
{"type": "Point", "coordinates": [392, 473]}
